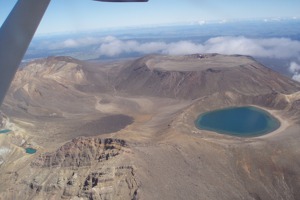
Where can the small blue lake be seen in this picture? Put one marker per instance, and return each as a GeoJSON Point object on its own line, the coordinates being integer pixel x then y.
{"type": "Point", "coordinates": [30, 150]}
{"type": "Point", "coordinates": [245, 121]}
{"type": "Point", "coordinates": [4, 131]}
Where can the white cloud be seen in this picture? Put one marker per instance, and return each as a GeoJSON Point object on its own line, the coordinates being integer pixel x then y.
{"type": "Point", "coordinates": [74, 43]}
{"type": "Point", "coordinates": [294, 67]}
{"type": "Point", "coordinates": [296, 77]}
{"type": "Point", "coordinates": [112, 46]}
{"type": "Point", "coordinates": [272, 47]}
{"type": "Point", "coordinates": [183, 47]}
{"type": "Point", "coordinates": [201, 22]}
{"type": "Point", "coordinates": [109, 38]}
{"type": "Point", "coordinates": [152, 47]}
{"type": "Point", "coordinates": [115, 47]}
{"type": "Point", "coordinates": [223, 21]}
{"type": "Point", "coordinates": [295, 70]}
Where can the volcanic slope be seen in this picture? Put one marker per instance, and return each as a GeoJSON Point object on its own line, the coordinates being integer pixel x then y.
{"type": "Point", "coordinates": [125, 130]}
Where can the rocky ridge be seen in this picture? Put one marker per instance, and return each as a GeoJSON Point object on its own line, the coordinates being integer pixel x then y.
{"type": "Point", "coordinates": [81, 152]}
{"type": "Point", "coordinates": [86, 168]}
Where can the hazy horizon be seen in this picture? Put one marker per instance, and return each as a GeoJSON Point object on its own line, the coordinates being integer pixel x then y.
{"type": "Point", "coordinates": [90, 15]}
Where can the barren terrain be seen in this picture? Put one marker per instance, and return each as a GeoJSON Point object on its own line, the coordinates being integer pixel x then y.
{"type": "Point", "coordinates": [125, 130]}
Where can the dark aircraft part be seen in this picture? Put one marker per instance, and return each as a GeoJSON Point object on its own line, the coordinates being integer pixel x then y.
{"type": "Point", "coordinates": [15, 36]}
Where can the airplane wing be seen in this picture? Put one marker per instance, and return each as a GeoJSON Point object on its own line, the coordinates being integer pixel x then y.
{"type": "Point", "coordinates": [16, 34]}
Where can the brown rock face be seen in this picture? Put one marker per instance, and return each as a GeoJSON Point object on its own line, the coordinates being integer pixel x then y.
{"type": "Point", "coordinates": [87, 168]}
{"type": "Point", "coordinates": [81, 152]}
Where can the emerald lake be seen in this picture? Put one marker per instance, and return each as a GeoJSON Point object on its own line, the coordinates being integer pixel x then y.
{"type": "Point", "coordinates": [245, 121]}
{"type": "Point", "coordinates": [30, 150]}
{"type": "Point", "coordinates": [4, 131]}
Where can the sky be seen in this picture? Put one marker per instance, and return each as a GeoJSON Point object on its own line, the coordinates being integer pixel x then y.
{"type": "Point", "coordinates": [83, 15]}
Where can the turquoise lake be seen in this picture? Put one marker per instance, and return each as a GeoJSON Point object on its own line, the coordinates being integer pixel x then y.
{"type": "Point", "coordinates": [245, 121]}
{"type": "Point", "coordinates": [4, 131]}
{"type": "Point", "coordinates": [30, 150]}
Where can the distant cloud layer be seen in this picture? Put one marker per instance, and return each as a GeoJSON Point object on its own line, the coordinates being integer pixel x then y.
{"type": "Point", "coordinates": [271, 48]}
{"type": "Point", "coordinates": [73, 43]}
{"type": "Point", "coordinates": [112, 46]}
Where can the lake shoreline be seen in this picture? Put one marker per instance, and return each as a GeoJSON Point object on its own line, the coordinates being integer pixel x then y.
{"type": "Point", "coordinates": [246, 121]}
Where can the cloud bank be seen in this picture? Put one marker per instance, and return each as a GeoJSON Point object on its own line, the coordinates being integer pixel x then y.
{"type": "Point", "coordinates": [73, 43]}
{"type": "Point", "coordinates": [111, 46]}
{"type": "Point", "coordinates": [271, 48]}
